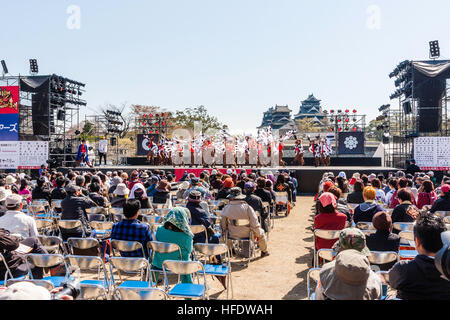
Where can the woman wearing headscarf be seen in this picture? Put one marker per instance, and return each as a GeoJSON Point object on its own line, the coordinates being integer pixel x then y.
{"type": "Point", "coordinates": [175, 230]}
{"type": "Point", "coordinates": [226, 187]}
{"type": "Point", "coordinates": [138, 192]}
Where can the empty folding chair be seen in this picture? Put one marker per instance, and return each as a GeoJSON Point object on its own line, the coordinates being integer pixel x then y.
{"type": "Point", "coordinates": [91, 288]}
{"type": "Point", "coordinates": [325, 254]}
{"type": "Point", "coordinates": [365, 226]}
{"type": "Point", "coordinates": [313, 274]}
{"type": "Point", "coordinates": [96, 210]}
{"type": "Point", "coordinates": [83, 246]}
{"type": "Point", "coordinates": [114, 210]}
{"type": "Point", "coordinates": [185, 290]}
{"type": "Point", "coordinates": [442, 214]}
{"type": "Point", "coordinates": [127, 266]}
{"type": "Point", "coordinates": [382, 257]}
{"type": "Point", "coordinates": [222, 270]}
{"type": "Point", "coordinates": [47, 261]}
{"type": "Point", "coordinates": [117, 217]}
{"type": "Point", "coordinates": [52, 244]}
{"type": "Point", "coordinates": [146, 211]}
{"type": "Point", "coordinates": [124, 293]}
{"type": "Point", "coordinates": [326, 235]}
{"type": "Point", "coordinates": [45, 226]}
{"type": "Point", "coordinates": [96, 217]}
{"type": "Point", "coordinates": [102, 229]}
{"type": "Point", "coordinates": [131, 247]}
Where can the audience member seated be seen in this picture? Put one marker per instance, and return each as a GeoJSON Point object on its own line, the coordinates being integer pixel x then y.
{"type": "Point", "coordinates": [59, 192]}
{"type": "Point", "coordinates": [366, 210]}
{"type": "Point", "coordinates": [131, 229]}
{"type": "Point", "coordinates": [200, 217]}
{"type": "Point", "coordinates": [443, 202]}
{"type": "Point", "coordinates": [17, 222]}
{"type": "Point", "coordinates": [342, 206]}
{"type": "Point", "coordinates": [426, 196]}
{"type": "Point", "coordinates": [41, 191]}
{"type": "Point", "coordinates": [357, 195]}
{"type": "Point", "coordinates": [74, 208]}
{"type": "Point", "coordinates": [328, 219]}
{"type": "Point", "coordinates": [419, 279]}
{"type": "Point", "coordinates": [261, 192]}
{"type": "Point", "coordinates": [238, 209]}
{"type": "Point", "coordinates": [348, 277]}
{"type": "Point", "coordinates": [14, 250]}
{"type": "Point", "coordinates": [175, 230]}
{"type": "Point", "coordinates": [162, 193]}
{"type": "Point", "coordinates": [256, 203]}
{"type": "Point", "coordinates": [405, 211]}
{"type": "Point", "coordinates": [120, 195]}
{"type": "Point", "coordinates": [383, 239]}
{"type": "Point", "coordinates": [226, 187]}
{"type": "Point", "coordinates": [94, 195]}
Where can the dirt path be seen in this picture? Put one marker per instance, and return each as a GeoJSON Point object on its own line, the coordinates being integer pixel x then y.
{"type": "Point", "coordinates": [282, 275]}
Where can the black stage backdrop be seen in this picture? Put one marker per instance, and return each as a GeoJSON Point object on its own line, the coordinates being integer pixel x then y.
{"type": "Point", "coordinates": [351, 143]}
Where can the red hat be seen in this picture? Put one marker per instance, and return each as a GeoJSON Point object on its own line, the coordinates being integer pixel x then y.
{"type": "Point", "coordinates": [327, 185]}
{"type": "Point", "coordinates": [445, 188]}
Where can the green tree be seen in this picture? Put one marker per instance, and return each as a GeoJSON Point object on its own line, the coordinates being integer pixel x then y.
{"type": "Point", "coordinates": [307, 125]}
{"type": "Point", "coordinates": [187, 117]}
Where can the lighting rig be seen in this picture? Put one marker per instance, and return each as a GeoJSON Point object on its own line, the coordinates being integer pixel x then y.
{"type": "Point", "coordinates": [345, 121]}
{"type": "Point", "coordinates": [154, 123]}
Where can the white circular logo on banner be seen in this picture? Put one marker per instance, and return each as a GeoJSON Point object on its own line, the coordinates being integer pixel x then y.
{"type": "Point", "coordinates": [145, 144]}
{"type": "Point", "coordinates": [351, 142]}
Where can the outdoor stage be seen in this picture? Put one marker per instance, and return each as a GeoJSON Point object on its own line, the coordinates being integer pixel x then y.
{"type": "Point", "coordinates": [308, 177]}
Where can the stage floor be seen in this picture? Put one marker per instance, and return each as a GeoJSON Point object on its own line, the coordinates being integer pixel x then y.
{"type": "Point", "coordinates": [291, 168]}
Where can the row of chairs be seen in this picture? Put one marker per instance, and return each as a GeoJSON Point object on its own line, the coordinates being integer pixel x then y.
{"type": "Point", "coordinates": [109, 287]}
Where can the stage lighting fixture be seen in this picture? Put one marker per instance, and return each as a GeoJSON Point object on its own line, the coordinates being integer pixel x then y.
{"type": "Point", "coordinates": [354, 119]}
{"type": "Point", "coordinates": [340, 129]}
{"type": "Point", "coordinates": [325, 111]}
{"type": "Point", "coordinates": [5, 69]}
{"type": "Point", "coordinates": [347, 120]}
{"type": "Point", "coordinates": [331, 129]}
{"type": "Point", "coordinates": [435, 51]}
{"type": "Point", "coordinates": [347, 111]}
{"type": "Point", "coordinates": [354, 111]}
{"type": "Point", "coordinates": [331, 111]}
{"type": "Point", "coordinates": [355, 128]}
{"type": "Point", "coordinates": [339, 111]}
{"type": "Point", "coordinates": [34, 69]}
{"type": "Point", "coordinates": [77, 132]}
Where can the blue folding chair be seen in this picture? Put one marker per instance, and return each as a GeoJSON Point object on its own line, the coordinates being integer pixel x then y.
{"type": "Point", "coordinates": [47, 261]}
{"type": "Point", "coordinates": [185, 290]}
{"type": "Point", "coordinates": [222, 270]}
{"type": "Point", "coordinates": [91, 288]}
{"type": "Point", "coordinates": [139, 266]}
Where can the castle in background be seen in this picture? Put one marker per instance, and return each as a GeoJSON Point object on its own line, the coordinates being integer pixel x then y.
{"type": "Point", "coordinates": [279, 117]}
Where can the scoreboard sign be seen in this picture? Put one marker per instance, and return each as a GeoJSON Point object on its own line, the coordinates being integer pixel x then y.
{"type": "Point", "coordinates": [432, 153]}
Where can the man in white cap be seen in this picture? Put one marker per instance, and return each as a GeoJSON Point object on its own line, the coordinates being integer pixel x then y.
{"type": "Point", "coordinates": [15, 221]}
{"type": "Point", "coordinates": [25, 291]}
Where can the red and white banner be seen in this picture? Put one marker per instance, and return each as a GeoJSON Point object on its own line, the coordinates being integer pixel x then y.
{"type": "Point", "coordinates": [180, 172]}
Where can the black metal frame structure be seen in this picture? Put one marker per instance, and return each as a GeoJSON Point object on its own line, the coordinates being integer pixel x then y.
{"type": "Point", "coordinates": [64, 96]}
{"type": "Point", "coordinates": [404, 125]}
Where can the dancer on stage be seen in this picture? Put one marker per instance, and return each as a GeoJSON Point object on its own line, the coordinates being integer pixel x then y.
{"type": "Point", "coordinates": [314, 148]}
{"type": "Point", "coordinates": [298, 159]}
{"type": "Point", "coordinates": [82, 155]}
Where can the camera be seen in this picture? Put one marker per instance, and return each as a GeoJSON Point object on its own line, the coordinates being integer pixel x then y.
{"type": "Point", "coordinates": [70, 288]}
{"type": "Point", "coordinates": [442, 258]}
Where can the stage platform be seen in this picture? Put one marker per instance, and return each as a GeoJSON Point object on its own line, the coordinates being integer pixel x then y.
{"type": "Point", "coordinates": [307, 176]}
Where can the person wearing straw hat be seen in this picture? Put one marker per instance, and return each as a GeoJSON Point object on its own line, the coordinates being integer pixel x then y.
{"type": "Point", "coordinates": [120, 195]}
{"type": "Point", "coordinates": [175, 230]}
{"type": "Point", "coordinates": [348, 277]}
{"type": "Point", "coordinates": [238, 209]}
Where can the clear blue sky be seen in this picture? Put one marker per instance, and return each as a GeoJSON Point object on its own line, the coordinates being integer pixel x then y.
{"type": "Point", "coordinates": [236, 57]}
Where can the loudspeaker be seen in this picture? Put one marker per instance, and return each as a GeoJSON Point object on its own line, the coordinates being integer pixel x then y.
{"type": "Point", "coordinates": [113, 141]}
{"type": "Point", "coordinates": [61, 115]}
{"type": "Point", "coordinates": [429, 111]}
{"type": "Point", "coordinates": [40, 116]}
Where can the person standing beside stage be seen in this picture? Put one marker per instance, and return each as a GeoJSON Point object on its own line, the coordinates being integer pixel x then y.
{"type": "Point", "coordinates": [82, 155]}
{"type": "Point", "coordinates": [102, 150]}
